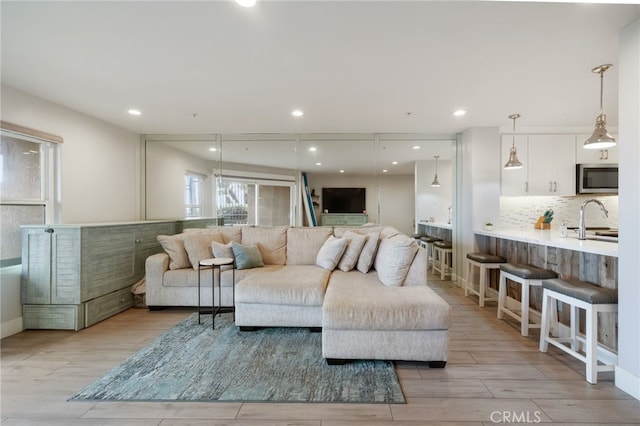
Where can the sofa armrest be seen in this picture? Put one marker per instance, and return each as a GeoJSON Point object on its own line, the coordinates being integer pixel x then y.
{"type": "Point", "coordinates": [155, 266]}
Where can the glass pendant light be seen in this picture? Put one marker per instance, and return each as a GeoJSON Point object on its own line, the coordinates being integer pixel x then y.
{"type": "Point", "coordinates": [436, 182]}
{"type": "Point", "coordinates": [513, 162]}
{"type": "Point", "coordinates": [600, 138]}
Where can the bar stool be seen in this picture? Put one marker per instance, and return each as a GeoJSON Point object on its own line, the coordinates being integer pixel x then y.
{"type": "Point", "coordinates": [527, 276]}
{"type": "Point", "coordinates": [485, 262]}
{"type": "Point", "coordinates": [427, 243]}
{"type": "Point", "coordinates": [579, 295]}
{"type": "Point", "coordinates": [442, 253]}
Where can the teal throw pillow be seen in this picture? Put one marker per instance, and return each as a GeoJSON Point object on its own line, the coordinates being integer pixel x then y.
{"type": "Point", "coordinates": [247, 257]}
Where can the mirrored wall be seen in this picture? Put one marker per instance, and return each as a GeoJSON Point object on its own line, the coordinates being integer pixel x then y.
{"type": "Point", "coordinates": [256, 178]}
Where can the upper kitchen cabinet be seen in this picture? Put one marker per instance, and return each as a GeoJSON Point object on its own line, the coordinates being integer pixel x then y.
{"type": "Point", "coordinates": [594, 156]}
{"type": "Point", "coordinates": [552, 160]}
{"type": "Point", "coordinates": [514, 181]}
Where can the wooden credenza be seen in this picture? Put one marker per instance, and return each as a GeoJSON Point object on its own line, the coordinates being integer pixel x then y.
{"type": "Point", "coordinates": [74, 276]}
{"type": "Point", "coordinates": [343, 219]}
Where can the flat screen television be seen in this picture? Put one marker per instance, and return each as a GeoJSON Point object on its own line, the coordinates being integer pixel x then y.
{"type": "Point", "coordinates": [344, 200]}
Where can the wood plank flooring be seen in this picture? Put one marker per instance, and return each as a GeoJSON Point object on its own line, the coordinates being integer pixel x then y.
{"type": "Point", "coordinates": [493, 376]}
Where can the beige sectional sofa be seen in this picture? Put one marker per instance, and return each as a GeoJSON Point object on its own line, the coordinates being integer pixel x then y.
{"type": "Point", "coordinates": [365, 287]}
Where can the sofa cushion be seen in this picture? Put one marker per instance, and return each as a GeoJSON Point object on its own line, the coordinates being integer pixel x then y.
{"type": "Point", "coordinates": [229, 233]}
{"type": "Point", "coordinates": [270, 240]}
{"type": "Point", "coordinates": [198, 245]}
{"type": "Point", "coordinates": [303, 244]}
{"type": "Point", "coordinates": [331, 252]}
{"type": "Point", "coordinates": [283, 285]}
{"type": "Point", "coordinates": [355, 242]}
{"type": "Point", "coordinates": [394, 258]}
{"type": "Point", "coordinates": [339, 231]}
{"type": "Point", "coordinates": [361, 302]}
{"type": "Point", "coordinates": [173, 245]}
{"type": "Point", "coordinates": [246, 257]}
{"type": "Point", "coordinates": [368, 253]}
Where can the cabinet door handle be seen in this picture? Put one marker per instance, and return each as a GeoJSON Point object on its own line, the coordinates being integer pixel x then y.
{"type": "Point", "coordinates": [49, 231]}
{"type": "Point", "coordinates": [555, 186]}
{"type": "Point", "coordinates": [601, 154]}
{"type": "Point", "coordinates": [526, 187]}
{"type": "Point", "coordinates": [550, 186]}
{"type": "Point", "coordinates": [606, 154]}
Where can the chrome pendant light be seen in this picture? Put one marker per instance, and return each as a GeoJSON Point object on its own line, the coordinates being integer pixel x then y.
{"type": "Point", "coordinates": [600, 138]}
{"type": "Point", "coordinates": [513, 162]}
{"type": "Point", "coordinates": [436, 182]}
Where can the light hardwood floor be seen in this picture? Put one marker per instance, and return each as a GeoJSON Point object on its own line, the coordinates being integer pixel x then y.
{"type": "Point", "coordinates": [493, 376]}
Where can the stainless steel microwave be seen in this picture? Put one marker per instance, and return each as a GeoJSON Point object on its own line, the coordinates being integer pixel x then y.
{"type": "Point", "coordinates": [597, 178]}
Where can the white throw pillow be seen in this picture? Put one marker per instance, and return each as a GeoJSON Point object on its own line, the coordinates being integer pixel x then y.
{"type": "Point", "coordinates": [223, 250]}
{"type": "Point", "coordinates": [198, 246]}
{"type": "Point", "coordinates": [330, 253]}
{"type": "Point", "coordinates": [368, 253]}
{"type": "Point", "coordinates": [173, 245]}
{"type": "Point", "coordinates": [394, 259]}
{"type": "Point", "coordinates": [352, 252]}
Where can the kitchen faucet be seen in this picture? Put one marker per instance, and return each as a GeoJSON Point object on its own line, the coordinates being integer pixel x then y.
{"type": "Point", "coordinates": [582, 229]}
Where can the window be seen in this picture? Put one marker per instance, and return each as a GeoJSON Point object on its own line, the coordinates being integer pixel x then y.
{"type": "Point", "coordinates": [255, 201]}
{"type": "Point", "coordinates": [193, 194]}
{"type": "Point", "coordinates": [26, 173]}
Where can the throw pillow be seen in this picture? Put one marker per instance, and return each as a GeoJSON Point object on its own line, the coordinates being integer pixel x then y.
{"type": "Point", "coordinates": [394, 258]}
{"type": "Point", "coordinates": [198, 246]}
{"type": "Point", "coordinates": [247, 257]}
{"type": "Point", "coordinates": [221, 250]}
{"type": "Point", "coordinates": [331, 252]}
{"type": "Point", "coordinates": [355, 242]}
{"type": "Point", "coordinates": [368, 253]}
{"type": "Point", "coordinates": [173, 245]}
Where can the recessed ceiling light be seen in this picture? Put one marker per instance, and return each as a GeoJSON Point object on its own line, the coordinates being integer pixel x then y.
{"type": "Point", "coordinates": [394, 162]}
{"type": "Point", "coordinates": [341, 171]}
{"type": "Point", "coordinates": [246, 3]}
{"type": "Point", "coordinates": [459, 113]}
{"type": "Point", "coordinates": [416, 147]}
{"type": "Point", "coordinates": [134, 112]}
{"type": "Point", "coordinates": [313, 149]}
{"type": "Point", "coordinates": [297, 113]}
{"type": "Point", "coordinates": [318, 164]}
{"type": "Point", "coordinates": [385, 171]}
{"type": "Point", "coordinates": [212, 149]}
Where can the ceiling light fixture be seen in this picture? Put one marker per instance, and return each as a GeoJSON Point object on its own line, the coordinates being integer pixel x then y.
{"type": "Point", "coordinates": [513, 162]}
{"type": "Point", "coordinates": [213, 149]}
{"type": "Point", "coordinates": [385, 171]}
{"type": "Point", "coordinates": [134, 112]}
{"type": "Point", "coordinates": [416, 147]}
{"type": "Point", "coordinates": [297, 113]}
{"type": "Point", "coordinates": [341, 171]}
{"type": "Point", "coordinates": [436, 182]}
{"type": "Point", "coordinates": [313, 149]}
{"type": "Point", "coordinates": [394, 162]}
{"type": "Point", "coordinates": [600, 138]}
{"type": "Point", "coordinates": [318, 164]}
{"type": "Point", "coordinates": [246, 3]}
{"type": "Point", "coordinates": [459, 113]}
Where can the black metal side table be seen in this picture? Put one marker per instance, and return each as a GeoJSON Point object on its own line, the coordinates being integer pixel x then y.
{"type": "Point", "coordinates": [214, 264]}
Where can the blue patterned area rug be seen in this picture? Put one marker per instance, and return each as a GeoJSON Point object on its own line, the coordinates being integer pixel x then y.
{"type": "Point", "coordinates": [192, 362]}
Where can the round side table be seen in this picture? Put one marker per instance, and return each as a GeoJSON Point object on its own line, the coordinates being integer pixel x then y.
{"type": "Point", "coordinates": [214, 264]}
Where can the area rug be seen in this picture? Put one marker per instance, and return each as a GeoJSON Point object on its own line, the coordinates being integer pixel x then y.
{"type": "Point", "coordinates": [192, 362]}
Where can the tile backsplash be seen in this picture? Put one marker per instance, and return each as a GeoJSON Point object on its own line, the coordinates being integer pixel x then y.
{"type": "Point", "coordinates": [523, 212]}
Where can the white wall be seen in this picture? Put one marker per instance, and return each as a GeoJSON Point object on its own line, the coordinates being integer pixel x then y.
{"type": "Point", "coordinates": [100, 175]}
{"type": "Point", "coordinates": [627, 375]}
{"type": "Point", "coordinates": [165, 170]}
{"type": "Point", "coordinates": [433, 202]}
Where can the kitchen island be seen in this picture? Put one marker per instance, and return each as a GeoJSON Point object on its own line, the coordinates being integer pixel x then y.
{"type": "Point", "coordinates": [436, 229]}
{"type": "Point", "coordinates": [586, 260]}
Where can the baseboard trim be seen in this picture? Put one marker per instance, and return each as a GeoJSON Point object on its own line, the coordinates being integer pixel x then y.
{"type": "Point", "coordinates": [627, 382]}
{"type": "Point", "coordinates": [9, 328]}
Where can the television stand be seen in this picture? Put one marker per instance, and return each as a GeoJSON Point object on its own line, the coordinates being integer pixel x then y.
{"type": "Point", "coordinates": [343, 219]}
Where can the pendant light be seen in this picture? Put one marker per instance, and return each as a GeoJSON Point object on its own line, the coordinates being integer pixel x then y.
{"type": "Point", "coordinates": [513, 162]}
{"type": "Point", "coordinates": [436, 182]}
{"type": "Point", "coordinates": [600, 138]}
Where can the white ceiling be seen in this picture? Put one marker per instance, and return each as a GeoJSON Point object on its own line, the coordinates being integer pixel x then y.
{"type": "Point", "coordinates": [360, 66]}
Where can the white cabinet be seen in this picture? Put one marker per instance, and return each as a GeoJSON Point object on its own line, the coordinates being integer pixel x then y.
{"type": "Point", "coordinates": [594, 156]}
{"type": "Point", "coordinates": [552, 160]}
{"type": "Point", "coordinates": [514, 181]}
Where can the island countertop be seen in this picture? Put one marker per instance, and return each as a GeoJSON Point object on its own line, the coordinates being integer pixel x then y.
{"type": "Point", "coordinates": [551, 238]}
{"type": "Point", "coordinates": [435, 224]}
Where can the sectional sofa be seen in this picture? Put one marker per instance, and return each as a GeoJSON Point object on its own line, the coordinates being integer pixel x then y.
{"type": "Point", "coordinates": [365, 287]}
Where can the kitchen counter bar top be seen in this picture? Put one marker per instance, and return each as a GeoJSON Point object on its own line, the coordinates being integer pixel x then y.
{"type": "Point", "coordinates": [550, 238]}
{"type": "Point", "coordinates": [435, 224]}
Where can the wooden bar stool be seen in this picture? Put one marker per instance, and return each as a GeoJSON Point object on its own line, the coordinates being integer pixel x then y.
{"type": "Point", "coordinates": [442, 253]}
{"type": "Point", "coordinates": [527, 276]}
{"type": "Point", "coordinates": [485, 262]}
{"type": "Point", "coordinates": [579, 295]}
{"type": "Point", "coordinates": [427, 243]}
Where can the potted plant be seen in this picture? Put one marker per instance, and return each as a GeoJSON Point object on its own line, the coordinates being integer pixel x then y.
{"type": "Point", "coordinates": [488, 226]}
